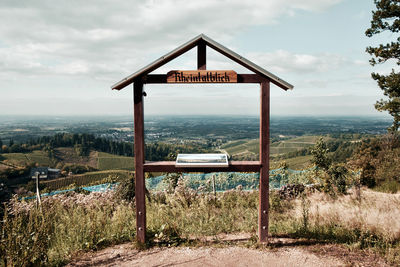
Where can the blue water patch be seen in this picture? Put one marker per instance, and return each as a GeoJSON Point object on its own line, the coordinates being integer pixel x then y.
{"type": "Point", "coordinates": [101, 187]}
{"type": "Point", "coordinates": [95, 188]}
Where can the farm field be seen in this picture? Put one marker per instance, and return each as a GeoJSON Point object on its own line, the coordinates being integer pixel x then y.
{"type": "Point", "coordinates": [299, 163]}
{"type": "Point", "coordinates": [22, 159]}
{"type": "Point", "coordinates": [108, 161]}
{"type": "Point", "coordinates": [67, 155]}
{"type": "Point", "coordinates": [277, 148]}
{"type": "Point", "coordinates": [98, 160]}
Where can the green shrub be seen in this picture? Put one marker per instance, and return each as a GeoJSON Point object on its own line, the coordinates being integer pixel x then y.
{"type": "Point", "coordinates": [25, 238]}
{"type": "Point", "coordinates": [126, 189]}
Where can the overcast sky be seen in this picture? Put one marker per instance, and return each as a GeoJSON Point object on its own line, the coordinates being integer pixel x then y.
{"type": "Point", "coordinates": [61, 57]}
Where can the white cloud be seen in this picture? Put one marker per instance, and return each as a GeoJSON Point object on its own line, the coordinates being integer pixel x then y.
{"type": "Point", "coordinates": [74, 48]}
{"type": "Point", "coordinates": [117, 37]}
{"type": "Point", "coordinates": [282, 61]}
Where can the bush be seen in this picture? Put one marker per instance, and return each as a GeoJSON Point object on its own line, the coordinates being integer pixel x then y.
{"type": "Point", "coordinates": [389, 187]}
{"type": "Point", "coordinates": [126, 190]}
{"type": "Point", "coordinates": [78, 169]}
{"type": "Point", "coordinates": [25, 238]}
{"type": "Point", "coordinates": [337, 175]}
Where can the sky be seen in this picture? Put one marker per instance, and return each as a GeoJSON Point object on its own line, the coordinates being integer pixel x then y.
{"type": "Point", "coordinates": [62, 57]}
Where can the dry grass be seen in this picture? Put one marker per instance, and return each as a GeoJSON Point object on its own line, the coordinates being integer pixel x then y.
{"type": "Point", "coordinates": [375, 212]}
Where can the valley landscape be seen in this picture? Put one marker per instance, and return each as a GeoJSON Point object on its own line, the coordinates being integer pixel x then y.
{"type": "Point", "coordinates": [295, 214]}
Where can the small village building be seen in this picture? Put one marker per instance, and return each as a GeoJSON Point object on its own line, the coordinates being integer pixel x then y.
{"type": "Point", "coordinates": [45, 173]}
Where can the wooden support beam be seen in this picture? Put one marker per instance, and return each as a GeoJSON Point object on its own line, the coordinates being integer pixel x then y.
{"type": "Point", "coordinates": [201, 56]}
{"type": "Point", "coordinates": [264, 159]}
{"type": "Point", "coordinates": [234, 166]}
{"type": "Point", "coordinates": [241, 78]}
{"type": "Point", "coordinates": [140, 186]}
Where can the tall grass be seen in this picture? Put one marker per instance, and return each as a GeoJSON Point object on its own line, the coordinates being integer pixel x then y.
{"type": "Point", "coordinates": [64, 225]}
{"type": "Point", "coordinates": [197, 215]}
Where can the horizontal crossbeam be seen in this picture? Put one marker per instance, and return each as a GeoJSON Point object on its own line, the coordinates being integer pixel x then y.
{"type": "Point", "coordinates": [241, 78]}
{"type": "Point", "coordinates": [234, 166]}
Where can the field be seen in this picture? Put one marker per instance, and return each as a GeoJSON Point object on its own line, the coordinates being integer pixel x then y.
{"type": "Point", "coordinates": [67, 155]}
{"type": "Point", "coordinates": [21, 159]}
{"type": "Point", "coordinates": [241, 147]}
{"type": "Point", "coordinates": [98, 160]}
{"type": "Point", "coordinates": [108, 161]}
{"type": "Point", "coordinates": [294, 144]}
{"type": "Point", "coordinates": [299, 163]}
{"type": "Point", "coordinates": [281, 147]}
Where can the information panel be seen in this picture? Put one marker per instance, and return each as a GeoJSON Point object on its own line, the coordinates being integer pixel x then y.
{"type": "Point", "coordinates": [201, 160]}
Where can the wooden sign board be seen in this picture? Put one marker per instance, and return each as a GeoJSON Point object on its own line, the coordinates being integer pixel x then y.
{"type": "Point", "coordinates": [202, 76]}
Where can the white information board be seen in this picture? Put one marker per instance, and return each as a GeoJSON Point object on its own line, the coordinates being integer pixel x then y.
{"type": "Point", "coordinates": [201, 160]}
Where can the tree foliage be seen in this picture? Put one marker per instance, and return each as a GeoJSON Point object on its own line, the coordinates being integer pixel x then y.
{"type": "Point", "coordinates": [334, 175]}
{"type": "Point", "coordinates": [387, 18]}
{"type": "Point", "coordinates": [378, 159]}
{"type": "Point", "coordinates": [320, 155]}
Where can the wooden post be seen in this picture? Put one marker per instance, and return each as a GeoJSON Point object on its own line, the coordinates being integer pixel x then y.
{"type": "Point", "coordinates": [201, 56]}
{"type": "Point", "coordinates": [264, 160]}
{"type": "Point", "coordinates": [140, 186]}
{"type": "Point", "coordinates": [213, 184]}
{"type": "Point", "coordinates": [38, 201]}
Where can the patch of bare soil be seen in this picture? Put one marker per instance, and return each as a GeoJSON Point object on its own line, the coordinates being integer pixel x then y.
{"type": "Point", "coordinates": [4, 166]}
{"type": "Point", "coordinates": [68, 156]}
{"type": "Point", "coordinates": [231, 252]}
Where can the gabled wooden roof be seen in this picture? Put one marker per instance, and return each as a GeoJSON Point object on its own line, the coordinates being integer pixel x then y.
{"type": "Point", "coordinates": [210, 43]}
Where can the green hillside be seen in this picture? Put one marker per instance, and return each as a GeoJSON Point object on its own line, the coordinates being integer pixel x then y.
{"type": "Point", "coordinates": [108, 161]}
{"type": "Point", "coordinates": [22, 159]}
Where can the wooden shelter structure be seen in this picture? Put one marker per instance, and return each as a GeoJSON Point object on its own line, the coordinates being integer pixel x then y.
{"type": "Point", "coordinates": [201, 75]}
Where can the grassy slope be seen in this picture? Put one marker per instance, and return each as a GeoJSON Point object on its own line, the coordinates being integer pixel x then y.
{"type": "Point", "coordinates": [108, 161]}
{"type": "Point", "coordinates": [21, 159]}
{"type": "Point", "coordinates": [68, 156]}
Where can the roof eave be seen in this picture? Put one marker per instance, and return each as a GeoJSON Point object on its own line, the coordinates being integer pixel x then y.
{"type": "Point", "coordinates": [157, 63]}
{"type": "Point", "coordinates": [211, 43]}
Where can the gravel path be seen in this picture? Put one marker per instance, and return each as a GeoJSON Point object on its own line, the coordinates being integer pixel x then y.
{"type": "Point", "coordinates": [284, 252]}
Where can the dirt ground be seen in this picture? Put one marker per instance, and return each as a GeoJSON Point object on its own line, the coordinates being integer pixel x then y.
{"type": "Point", "coordinates": [229, 250]}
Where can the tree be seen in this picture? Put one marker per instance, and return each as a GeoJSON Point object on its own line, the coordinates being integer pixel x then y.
{"type": "Point", "coordinates": [338, 174]}
{"type": "Point", "coordinates": [387, 18]}
{"type": "Point", "coordinates": [320, 155]}
{"type": "Point", "coordinates": [331, 174]}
